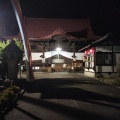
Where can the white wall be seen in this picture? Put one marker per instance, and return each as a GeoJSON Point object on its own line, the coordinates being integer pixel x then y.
{"type": "Point", "coordinates": [104, 69]}
{"type": "Point", "coordinates": [36, 56]}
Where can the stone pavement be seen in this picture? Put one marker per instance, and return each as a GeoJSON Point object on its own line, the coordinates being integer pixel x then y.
{"type": "Point", "coordinates": [67, 96]}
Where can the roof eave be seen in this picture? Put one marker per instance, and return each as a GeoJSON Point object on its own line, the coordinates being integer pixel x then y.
{"type": "Point", "coordinates": [95, 42]}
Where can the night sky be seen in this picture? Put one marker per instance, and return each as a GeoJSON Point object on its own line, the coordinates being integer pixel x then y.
{"type": "Point", "coordinates": [104, 14]}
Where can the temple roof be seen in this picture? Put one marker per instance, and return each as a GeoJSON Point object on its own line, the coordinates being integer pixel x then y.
{"type": "Point", "coordinates": [59, 33]}
{"type": "Point", "coordinates": [40, 29]}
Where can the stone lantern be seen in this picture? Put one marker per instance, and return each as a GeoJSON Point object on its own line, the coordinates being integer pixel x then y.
{"type": "Point", "coordinates": [13, 56]}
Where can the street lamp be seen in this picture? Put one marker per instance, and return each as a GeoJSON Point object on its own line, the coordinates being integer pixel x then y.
{"type": "Point", "coordinates": [58, 49]}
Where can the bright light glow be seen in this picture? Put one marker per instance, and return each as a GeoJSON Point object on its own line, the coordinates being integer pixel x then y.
{"type": "Point", "coordinates": [91, 50]}
{"type": "Point", "coordinates": [58, 49]}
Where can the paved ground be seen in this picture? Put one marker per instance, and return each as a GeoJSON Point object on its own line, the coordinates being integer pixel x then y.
{"type": "Point", "coordinates": [67, 96]}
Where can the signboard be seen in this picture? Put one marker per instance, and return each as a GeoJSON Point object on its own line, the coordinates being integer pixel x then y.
{"type": "Point", "coordinates": [57, 60]}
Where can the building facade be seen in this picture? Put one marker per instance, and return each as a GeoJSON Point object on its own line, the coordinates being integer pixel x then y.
{"type": "Point", "coordinates": [46, 35]}
{"type": "Point", "coordinates": [102, 57]}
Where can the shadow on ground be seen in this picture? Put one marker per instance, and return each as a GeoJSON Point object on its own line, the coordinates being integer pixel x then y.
{"type": "Point", "coordinates": [59, 88]}
{"type": "Point", "coordinates": [66, 89]}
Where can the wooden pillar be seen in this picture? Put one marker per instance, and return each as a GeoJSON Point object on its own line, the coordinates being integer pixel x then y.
{"type": "Point", "coordinates": [43, 59]}
{"type": "Point", "coordinates": [74, 52]}
{"type": "Point", "coordinates": [112, 59]}
{"type": "Point", "coordinates": [95, 61]}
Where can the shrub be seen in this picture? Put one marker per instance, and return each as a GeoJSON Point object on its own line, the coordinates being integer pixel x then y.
{"type": "Point", "coordinates": [8, 93]}
{"type": "Point", "coordinates": [3, 100]}
{"type": "Point", "coordinates": [16, 89]}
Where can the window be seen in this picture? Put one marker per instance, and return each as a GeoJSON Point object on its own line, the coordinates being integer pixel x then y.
{"type": "Point", "coordinates": [99, 58]}
{"type": "Point", "coordinates": [103, 58]}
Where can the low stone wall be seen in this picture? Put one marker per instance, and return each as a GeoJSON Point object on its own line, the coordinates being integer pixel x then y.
{"type": "Point", "coordinates": [107, 75]}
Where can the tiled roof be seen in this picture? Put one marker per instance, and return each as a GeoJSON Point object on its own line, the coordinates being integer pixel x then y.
{"type": "Point", "coordinates": [58, 32]}
{"type": "Point", "coordinates": [38, 28]}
